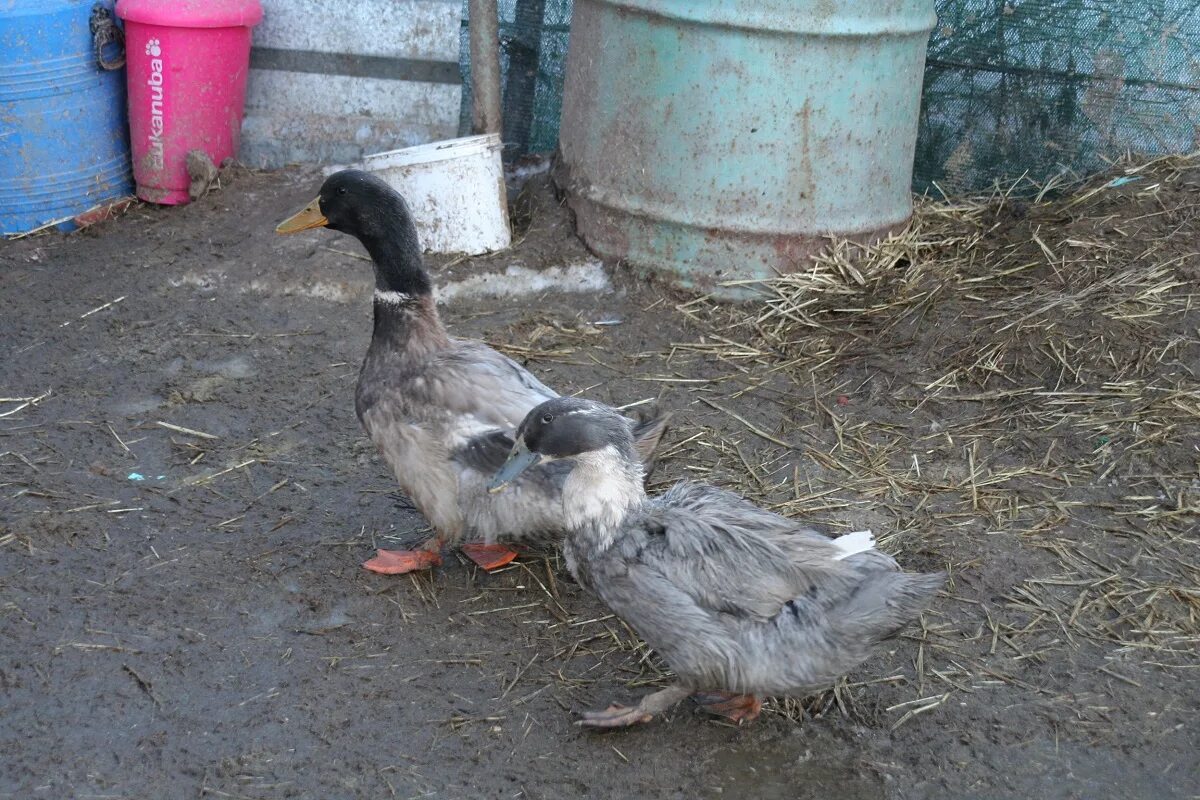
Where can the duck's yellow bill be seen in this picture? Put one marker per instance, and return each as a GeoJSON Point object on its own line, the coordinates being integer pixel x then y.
{"type": "Point", "coordinates": [308, 217]}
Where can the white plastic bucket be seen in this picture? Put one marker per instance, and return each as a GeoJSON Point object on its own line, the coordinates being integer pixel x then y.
{"type": "Point", "coordinates": [455, 189]}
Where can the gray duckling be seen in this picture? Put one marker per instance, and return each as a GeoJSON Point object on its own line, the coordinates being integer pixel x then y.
{"type": "Point", "coordinates": [738, 601]}
{"type": "Point", "coordinates": [441, 410]}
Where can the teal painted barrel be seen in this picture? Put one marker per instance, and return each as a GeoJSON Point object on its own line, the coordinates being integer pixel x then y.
{"type": "Point", "coordinates": [718, 142]}
{"type": "Point", "coordinates": [64, 142]}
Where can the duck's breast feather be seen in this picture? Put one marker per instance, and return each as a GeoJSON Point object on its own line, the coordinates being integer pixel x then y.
{"type": "Point", "coordinates": [419, 460]}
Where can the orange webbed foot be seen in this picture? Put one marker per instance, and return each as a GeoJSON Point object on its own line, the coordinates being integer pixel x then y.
{"type": "Point", "coordinates": [737, 708]}
{"type": "Point", "coordinates": [398, 562]}
{"type": "Point", "coordinates": [489, 556]}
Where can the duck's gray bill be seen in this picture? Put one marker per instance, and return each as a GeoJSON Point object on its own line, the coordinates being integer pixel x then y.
{"type": "Point", "coordinates": [519, 460]}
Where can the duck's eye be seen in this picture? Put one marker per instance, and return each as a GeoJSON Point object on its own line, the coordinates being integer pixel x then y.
{"type": "Point", "coordinates": [547, 418]}
{"type": "Point", "coordinates": [341, 190]}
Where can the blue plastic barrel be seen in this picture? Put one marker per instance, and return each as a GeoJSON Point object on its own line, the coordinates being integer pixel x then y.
{"type": "Point", "coordinates": [64, 142]}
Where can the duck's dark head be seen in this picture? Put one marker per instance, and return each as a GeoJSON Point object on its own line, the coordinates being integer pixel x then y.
{"type": "Point", "coordinates": [366, 207]}
{"type": "Point", "coordinates": [353, 202]}
{"type": "Point", "coordinates": [567, 427]}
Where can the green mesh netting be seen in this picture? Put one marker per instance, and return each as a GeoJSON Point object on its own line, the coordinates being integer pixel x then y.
{"type": "Point", "coordinates": [533, 53]}
{"type": "Point", "coordinates": [1045, 87]}
{"type": "Point", "coordinates": [1036, 88]}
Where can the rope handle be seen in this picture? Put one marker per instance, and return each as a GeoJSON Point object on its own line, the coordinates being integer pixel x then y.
{"type": "Point", "coordinates": [105, 31]}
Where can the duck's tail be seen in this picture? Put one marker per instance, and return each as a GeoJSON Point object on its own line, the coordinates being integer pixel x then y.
{"type": "Point", "coordinates": [647, 435]}
{"type": "Point", "coordinates": [891, 601]}
{"type": "Point", "coordinates": [852, 543]}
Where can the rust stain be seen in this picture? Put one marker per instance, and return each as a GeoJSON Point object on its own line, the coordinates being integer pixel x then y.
{"type": "Point", "coordinates": [657, 172]}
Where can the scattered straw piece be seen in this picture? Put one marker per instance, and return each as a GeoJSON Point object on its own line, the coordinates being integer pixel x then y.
{"type": "Point", "coordinates": [188, 431]}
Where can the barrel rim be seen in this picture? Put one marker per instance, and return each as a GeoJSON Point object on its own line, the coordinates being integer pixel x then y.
{"type": "Point", "coordinates": [434, 152]}
{"type": "Point", "coordinates": [208, 14]}
{"type": "Point", "coordinates": [719, 15]}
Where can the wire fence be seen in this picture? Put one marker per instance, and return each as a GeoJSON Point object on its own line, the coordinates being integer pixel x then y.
{"type": "Point", "coordinates": [1047, 87]}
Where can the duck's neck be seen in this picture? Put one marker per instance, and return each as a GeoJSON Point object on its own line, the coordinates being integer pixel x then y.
{"type": "Point", "coordinates": [396, 251]}
{"type": "Point", "coordinates": [602, 490]}
{"type": "Point", "coordinates": [405, 313]}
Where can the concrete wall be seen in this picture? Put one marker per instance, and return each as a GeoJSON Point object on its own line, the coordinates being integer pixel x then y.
{"type": "Point", "coordinates": [331, 80]}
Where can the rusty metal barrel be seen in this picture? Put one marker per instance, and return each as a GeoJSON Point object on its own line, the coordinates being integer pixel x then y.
{"type": "Point", "coordinates": [723, 142]}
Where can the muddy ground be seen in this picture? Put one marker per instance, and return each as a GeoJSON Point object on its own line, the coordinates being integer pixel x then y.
{"type": "Point", "coordinates": [185, 615]}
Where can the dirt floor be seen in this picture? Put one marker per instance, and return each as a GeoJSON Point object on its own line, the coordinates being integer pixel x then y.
{"type": "Point", "coordinates": [1008, 391]}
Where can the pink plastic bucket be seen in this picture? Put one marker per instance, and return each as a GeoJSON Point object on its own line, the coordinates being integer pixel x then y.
{"type": "Point", "coordinates": [187, 62]}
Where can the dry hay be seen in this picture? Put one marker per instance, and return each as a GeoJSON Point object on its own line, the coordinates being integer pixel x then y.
{"type": "Point", "coordinates": [1019, 381]}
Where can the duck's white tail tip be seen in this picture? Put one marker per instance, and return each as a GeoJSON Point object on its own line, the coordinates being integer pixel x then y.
{"type": "Point", "coordinates": [851, 543]}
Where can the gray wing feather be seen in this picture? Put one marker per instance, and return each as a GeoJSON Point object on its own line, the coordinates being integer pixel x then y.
{"type": "Point", "coordinates": [473, 379]}
{"type": "Point", "coordinates": [695, 642]}
{"type": "Point", "coordinates": [732, 557]}
{"type": "Point", "coordinates": [739, 598]}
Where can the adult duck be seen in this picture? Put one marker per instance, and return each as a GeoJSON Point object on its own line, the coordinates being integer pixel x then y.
{"type": "Point", "coordinates": [738, 601]}
{"type": "Point", "coordinates": [439, 409]}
